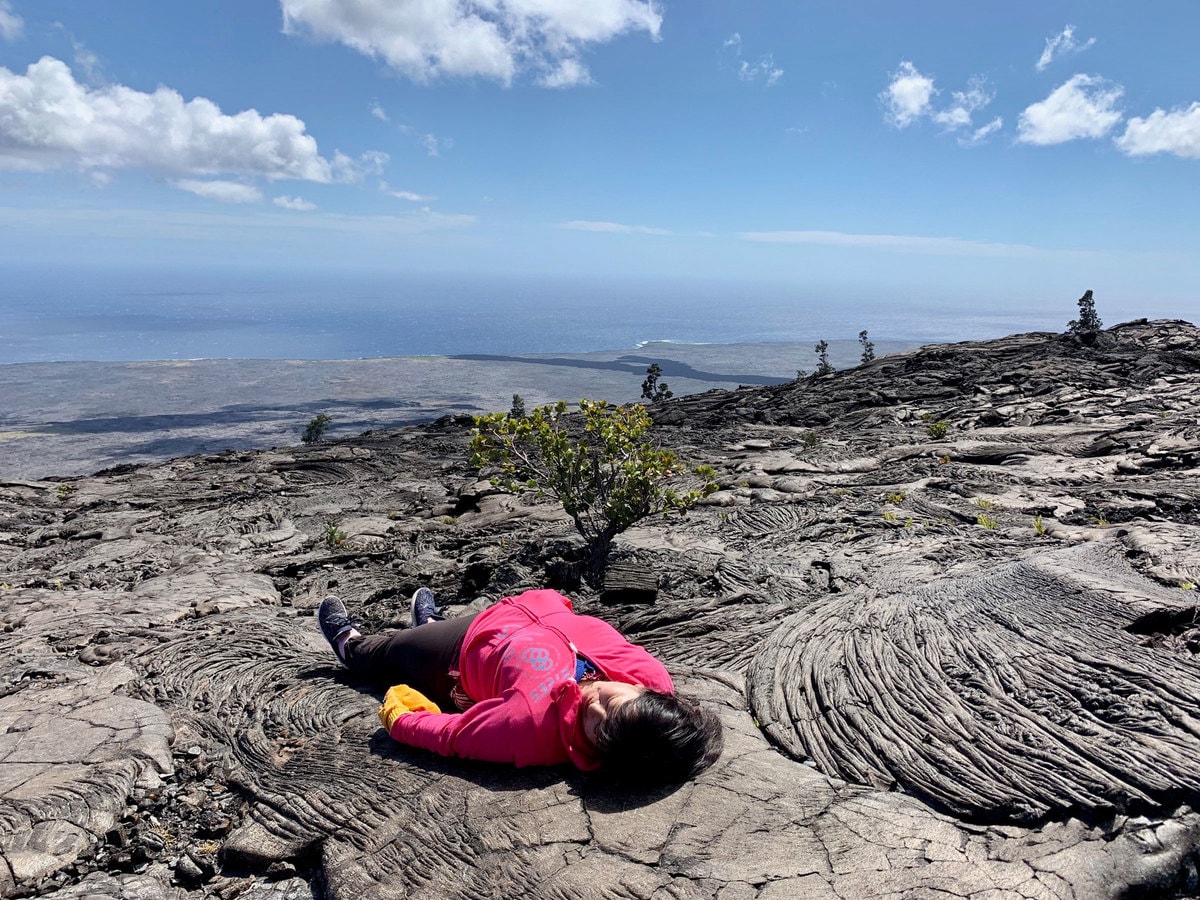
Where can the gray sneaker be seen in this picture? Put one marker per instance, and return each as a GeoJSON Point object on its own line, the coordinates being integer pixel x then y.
{"type": "Point", "coordinates": [424, 608]}
{"type": "Point", "coordinates": [335, 622]}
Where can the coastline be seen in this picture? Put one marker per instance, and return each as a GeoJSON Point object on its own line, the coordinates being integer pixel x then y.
{"type": "Point", "coordinates": [68, 419]}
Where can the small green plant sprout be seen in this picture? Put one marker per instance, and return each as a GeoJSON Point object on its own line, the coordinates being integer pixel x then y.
{"type": "Point", "coordinates": [937, 430]}
{"type": "Point", "coordinates": [809, 439]}
{"type": "Point", "coordinates": [517, 410]}
{"type": "Point", "coordinates": [1099, 519]}
{"type": "Point", "coordinates": [926, 417]}
{"type": "Point", "coordinates": [984, 503]}
{"type": "Point", "coordinates": [944, 460]}
{"type": "Point", "coordinates": [908, 523]}
{"type": "Point", "coordinates": [889, 516]}
{"type": "Point", "coordinates": [896, 499]}
{"type": "Point", "coordinates": [335, 538]}
{"type": "Point", "coordinates": [652, 390]}
{"type": "Point", "coordinates": [315, 429]}
{"type": "Point", "coordinates": [868, 348]}
{"type": "Point", "coordinates": [983, 520]}
{"type": "Point", "coordinates": [1039, 526]}
{"type": "Point", "coordinates": [602, 467]}
{"type": "Point", "coordinates": [449, 520]}
{"type": "Point", "coordinates": [64, 490]}
{"type": "Point", "coordinates": [1188, 585]}
{"type": "Point", "coordinates": [1088, 320]}
{"type": "Point", "coordinates": [824, 366]}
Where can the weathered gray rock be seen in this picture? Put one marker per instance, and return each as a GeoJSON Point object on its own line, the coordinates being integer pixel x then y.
{"type": "Point", "coordinates": [949, 665]}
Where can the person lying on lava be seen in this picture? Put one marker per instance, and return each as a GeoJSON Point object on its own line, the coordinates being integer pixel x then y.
{"type": "Point", "coordinates": [531, 683]}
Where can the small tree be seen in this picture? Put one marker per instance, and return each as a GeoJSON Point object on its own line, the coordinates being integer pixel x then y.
{"type": "Point", "coordinates": [604, 470]}
{"type": "Point", "coordinates": [315, 429]}
{"type": "Point", "coordinates": [868, 348]}
{"type": "Point", "coordinates": [824, 366]}
{"type": "Point", "coordinates": [651, 389]}
{"type": "Point", "coordinates": [518, 407]}
{"type": "Point", "coordinates": [1088, 320]}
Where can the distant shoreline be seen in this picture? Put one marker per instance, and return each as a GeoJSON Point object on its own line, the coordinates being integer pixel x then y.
{"type": "Point", "coordinates": [67, 419]}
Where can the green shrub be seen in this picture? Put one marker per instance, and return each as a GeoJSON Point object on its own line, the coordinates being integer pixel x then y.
{"type": "Point", "coordinates": [809, 439]}
{"type": "Point", "coordinates": [824, 366]}
{"type": "Point", "coordinates": [896, 499]}
{"type": "Point", "coordinates": [1039, 526]}
{"type": "Point", "coordinates": [986, 521]}
{"type": "Point", "coordinates": [335, 538]}
{"type": "Point", "coordinates": [601, 466]}
{"type": "Point", "coordinates": [517, 410]}
{"type": "Point", "coordinates": [651, 389]}
{"type": "Point", "coordinates": [938, 430]}
{"type": "Point", "coordinates": [1088, 319]}
{"type": "Point", "coordinates": [64, 490]}
{"type": "Point", "coordinates": [868, 348]}
{"type": "Point", "coordinates": [315, 429]}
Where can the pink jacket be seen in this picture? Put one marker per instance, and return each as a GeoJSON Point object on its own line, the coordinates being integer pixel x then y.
{"type": "Point", "coordinates": [518, 664]}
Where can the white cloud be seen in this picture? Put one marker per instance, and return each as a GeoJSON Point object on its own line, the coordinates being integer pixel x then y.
{"type": "Point", "coordinates": [12, 26]}
{"type": "Point", "coordinates": [1060, 45]}
{"type": "Point", "coordinates": [1083, 107]}
{"type": "Point", "coordinates": [221, 191]}
{"type": "Point", "coordinates": [764, 67]}
{"type": "Point", "coordinates": [378, 112]}
{"type": "Point", "coordinates": [940, 246]}
{"type": "Point", "coordinates": [409, 196]}
{"type": "Point", "coordinates": [981, 134]}
{"type": "Point", "coordinates": [52, 121]}
{"type": "Point", "coordinates": [611, 227]}
{"type": "Point", "coordinates": [965, 104]}
{"type": "Point", "coordinates": [908, 96]}
{"type": "Point", "coordinates": [568, 73]}
{"type": "Point", "coordinates": [495, 39]}
{"type": "Point", "coordinates": [1176, 132]}
{"type": "Point", "coordinates": [431, 142]}
{"type": "Point", "coordinates": [296, 204]}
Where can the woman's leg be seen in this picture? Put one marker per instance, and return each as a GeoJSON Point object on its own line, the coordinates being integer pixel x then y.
{"type": "Point", "coordinates": [419, 657]}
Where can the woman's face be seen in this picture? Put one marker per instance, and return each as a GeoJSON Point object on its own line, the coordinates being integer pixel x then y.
{"type": "Point", "coordinates": [600, 698]}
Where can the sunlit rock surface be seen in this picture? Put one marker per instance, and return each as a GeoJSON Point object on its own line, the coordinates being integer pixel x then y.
{"type": "Point", "coordinates": [955, 664]}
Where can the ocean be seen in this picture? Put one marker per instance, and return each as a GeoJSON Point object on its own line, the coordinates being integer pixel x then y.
{"type": "Point", "coordinates": [72, 314]}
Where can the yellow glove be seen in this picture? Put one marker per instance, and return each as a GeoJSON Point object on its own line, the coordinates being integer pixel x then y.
{"type": "Point", "coordinates": [402, 699]}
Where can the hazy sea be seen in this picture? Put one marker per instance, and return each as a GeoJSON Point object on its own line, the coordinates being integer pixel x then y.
{"type": "Point", "coordinates": [151, 313]}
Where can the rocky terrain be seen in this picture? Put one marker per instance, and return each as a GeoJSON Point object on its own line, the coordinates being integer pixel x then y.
{"type": "Point", "coordinates": [943, 602]}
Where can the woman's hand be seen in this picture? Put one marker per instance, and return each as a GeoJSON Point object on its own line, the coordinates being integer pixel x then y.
{"type": "Point", "coordinates": [402, 699]}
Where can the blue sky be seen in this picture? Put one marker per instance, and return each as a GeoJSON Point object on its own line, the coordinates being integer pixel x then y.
{"type": "Point", "coordinates": [1017, 150]}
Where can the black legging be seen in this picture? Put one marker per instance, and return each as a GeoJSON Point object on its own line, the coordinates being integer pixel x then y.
{"type": "Point", "coordinates": [420, 657]}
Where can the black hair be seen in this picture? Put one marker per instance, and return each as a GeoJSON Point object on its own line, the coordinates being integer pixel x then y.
{"type": "Point", "coordinates": [658, 738]}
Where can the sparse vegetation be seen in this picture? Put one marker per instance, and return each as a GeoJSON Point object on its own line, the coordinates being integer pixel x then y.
{"type": "Point", "coordinates": [314, 431]}
{"type": "Point", "coordinates": [449, 520]}
{"type": "Point", "coordinates": [824, 366]}
{"type": "Point", "coordinates": [809, 439]}
{"type": "Point", "coordinates": [652, 389]}
{"type": "Point", "coordinates": [1088, 319]}
{"type": "Point", "coordinates": [1039, 526]}
{"type": "Point", "coordinates": [937, 430]}
{"type": "Point", "coordinates": [984, 503]}
{"type": "Point", "coordinates": [889, 516]}
{"type": "Point", "coordinates": [517, 410]}
{"type": "Point", "coordinates": [896, 499]}
{"type": "Point", "coordinates": [868, 348]}
{"type": "Point", "coordinates": [983, 520]}
{"type": "Point", "coordinates": [603, 468]}
{"type": "Point", "coordinates": [1099, 519]}
{"type": "Point", "coordinates": [334, 537]}
{"type": "Point", "coordinates": [64, 490]}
